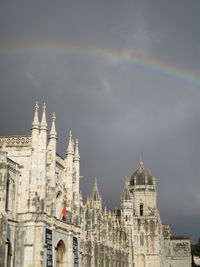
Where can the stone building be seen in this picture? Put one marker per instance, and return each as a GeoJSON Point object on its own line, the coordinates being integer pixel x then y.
{"type": "Point", "coordinates": [45, 222]}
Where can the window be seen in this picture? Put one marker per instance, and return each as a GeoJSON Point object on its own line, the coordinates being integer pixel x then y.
{"type": "Point", "coordinates": [141, 239]}
{"type": "Point", "coordinates": [9, 253]}
{"type": "Point", "coordinates": [7, 194]}
{"type": "Point", "coordinates": [141, 210]}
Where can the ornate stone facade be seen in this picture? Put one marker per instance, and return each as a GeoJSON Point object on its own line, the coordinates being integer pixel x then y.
{"type": "Point", "coordinates": [45, 222]}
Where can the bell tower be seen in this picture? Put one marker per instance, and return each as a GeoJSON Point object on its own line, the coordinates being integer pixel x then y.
{"type": "Point", "coordinates": [146, 220]}
{"type": "Point", "coordinates": [143, 190]}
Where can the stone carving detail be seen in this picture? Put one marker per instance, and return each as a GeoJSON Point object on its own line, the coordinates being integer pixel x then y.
{"type": "Point", "coordinates": [16, 140]}
{"type": "Point", "coordinates": [42, 211]}
{"type": "Point", "coordinates": [181, 248]}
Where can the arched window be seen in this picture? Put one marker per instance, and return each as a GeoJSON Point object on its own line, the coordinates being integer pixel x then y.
{"type": "Point", "coordinates": [9, 253]}
{"type": "Point", "coordinates": [61, 259]}
{"type": "Point", "coordinates": [141, 210]}
{"type": "Point", "coordinates": [141, 239]}
{"type": "Point", "coordinates": [7, 194]}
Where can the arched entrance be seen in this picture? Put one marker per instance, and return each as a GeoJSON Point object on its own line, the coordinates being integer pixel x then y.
{"type": "Point", "coordinates": [61, 259]}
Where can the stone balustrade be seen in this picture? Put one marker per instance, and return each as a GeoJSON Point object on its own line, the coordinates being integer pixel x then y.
{"type": "Point", "coordinates": [22, 140]}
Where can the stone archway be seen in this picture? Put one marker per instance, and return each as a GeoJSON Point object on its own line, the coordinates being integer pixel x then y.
{"type": "Point", "coordinates": [61, 257]}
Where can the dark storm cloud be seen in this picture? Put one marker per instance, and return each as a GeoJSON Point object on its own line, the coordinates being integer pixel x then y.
{"type": "Point", "coordinates": [119, 111]}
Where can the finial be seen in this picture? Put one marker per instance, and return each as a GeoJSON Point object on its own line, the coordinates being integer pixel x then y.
{"type": "Point", "coordinates": [43, 124]}
{"type": "Point", "coordinates": [54, 116]}
{"type": "Point", "coordinates": [44, 106]}
{"type": "Point", "coordinates": [53, 133]}
{"type": "Point", "coordinates": [95, 180]}
{"type": "Point", "coordinates": [36, 105]}
{"type": "Point", "coordinates": [141, 164]}
{"type": "Point", "coordinates": [70, 149]}
{"type": "Point", "coordinates": [77, 155]}
{"type": "Point", "coordinates": [126, 194]}
{"type": "Point", "coordinates": [105, 210]}
{"type": "Point", "coordinates": [95, 196]}
{"type": "Point", "coordinates": [35, 124]}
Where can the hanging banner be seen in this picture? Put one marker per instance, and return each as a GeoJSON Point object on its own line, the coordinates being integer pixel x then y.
{"type": "Point", "coordinates": [48, 240]}
{"type": "Point", "coordinates": [75, 251]}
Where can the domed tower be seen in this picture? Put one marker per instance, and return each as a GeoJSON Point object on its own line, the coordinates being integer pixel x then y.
{"type": "Point", "coordinates": [143, 189]}
{"type": "Point", "coordinates": [147, 226]}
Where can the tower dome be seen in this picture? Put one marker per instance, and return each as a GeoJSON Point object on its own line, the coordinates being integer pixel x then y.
{"type": "Point", "coordinates": [141, 176]}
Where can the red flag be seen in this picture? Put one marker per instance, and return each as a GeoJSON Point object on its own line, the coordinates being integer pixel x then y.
{"type": "Point", "coordinates": [64, 212]}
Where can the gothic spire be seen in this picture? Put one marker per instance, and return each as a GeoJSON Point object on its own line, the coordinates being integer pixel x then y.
{"type": "Point", "coordinates": [105, 210]}
{"type": "Point", "coordinates": [95, 196]}
{"type": "Point", "coordinates": [126, 195]}
{"type": "Point", "coordinates": [77, 155]}
{"type": "Point", "coordinates": [43, 124]}
{"type": "Point", "coordinates": [35, 124]}
{"type": "Point", "coordinates": [70, 149]}
{"type": "Point", "coordinates": [53, 133]}
{"type": "Point", "coordinates": [87, 200]}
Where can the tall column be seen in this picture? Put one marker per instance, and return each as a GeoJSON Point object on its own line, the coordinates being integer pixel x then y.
{"type": "Point", "coordinates": [34, 160]}
{"type": "Point", "coordinates": [68, 191]}
{"type": "Point", "coordinates": [3, 182]}
{"type": "Point", "coordinates": [76, 175]}
{"type": "Point", "coordinates": [42, 180]}
{"type": "Point", "coordinates": [51, 176]}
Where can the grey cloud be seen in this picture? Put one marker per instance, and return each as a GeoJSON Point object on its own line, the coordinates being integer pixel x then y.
{"type": "Point", "coordinates": [117, 109]}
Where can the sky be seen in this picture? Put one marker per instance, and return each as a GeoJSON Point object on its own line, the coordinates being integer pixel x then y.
{"type": "Point", "coordinates": [123, 75]}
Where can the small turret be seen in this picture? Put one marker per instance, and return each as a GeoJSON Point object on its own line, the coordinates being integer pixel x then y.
{"type": "Point", "coordinates": [77, 155]}
{"type": "Point", "coordinates": [126, 194]}
{"type": "Point", "coordinates": [43, 124]}
{"type": "Point", "coordinates": [76, 175]}
{"type": "Point", "coordinates": [35, 129]}
{"type": "Point", "coordinates": [95, 199]}
{"type": "Point", "coordinates": [70, 149]}
{"type": "Point", "coordinates": [42, 154]}
{"type": "Point", "coordinates": [43, 129]}
{"type": "Point", "coordinates": [51, 209]}
{"type": "Point", "coordinates": [35, 124]}
{"type": "Point", "coordinates": [69, 172]}
{"type": "Point", "coordinates": [126, 203]}
{"type": "Point", "coordinates": [53, 133]}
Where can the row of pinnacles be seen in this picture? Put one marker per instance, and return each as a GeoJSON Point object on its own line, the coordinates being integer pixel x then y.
{"type": "Point", "coordinates": [45, 222]}
{"type": "Point", "coordinates": [37, 185]}
{"type": "Point", "coordinates": [43, 166]}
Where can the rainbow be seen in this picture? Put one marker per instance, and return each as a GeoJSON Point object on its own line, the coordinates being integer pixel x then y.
{"type": "Point", "coordinates": [129, 57]}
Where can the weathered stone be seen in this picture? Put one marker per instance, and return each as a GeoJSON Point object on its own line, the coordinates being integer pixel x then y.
{"type": "Point", "coordinates": [44, 221]}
